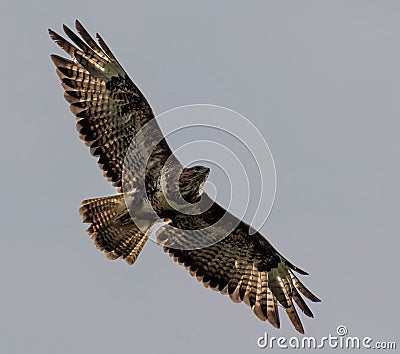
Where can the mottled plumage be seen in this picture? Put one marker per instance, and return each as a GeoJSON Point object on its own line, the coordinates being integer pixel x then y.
{"type": "Point", "coordinates": [110, 111]}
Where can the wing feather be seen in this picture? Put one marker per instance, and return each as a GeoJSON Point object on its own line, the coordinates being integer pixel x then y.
{"type": "Point", "coordinates": [247, 269]}
{"type": "Point", "coordinates": [272, 310]}
{"type": "Point", "coordinates": [261, 294]}
{"type": "Point", "coordinates": [109, 107]}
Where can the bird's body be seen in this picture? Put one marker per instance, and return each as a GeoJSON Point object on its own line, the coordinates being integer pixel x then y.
{"type": "Point", "coordinates": [113, 119]}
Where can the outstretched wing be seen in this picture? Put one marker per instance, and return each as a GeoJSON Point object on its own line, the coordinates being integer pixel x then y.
{"type": "Point", "coordinates": [245, 267]}
{"type": "Point", "coordinates": [109, 107]}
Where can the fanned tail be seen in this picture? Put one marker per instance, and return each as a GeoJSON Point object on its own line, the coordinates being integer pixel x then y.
{"type": "Point", "coordinates": [112, 228]}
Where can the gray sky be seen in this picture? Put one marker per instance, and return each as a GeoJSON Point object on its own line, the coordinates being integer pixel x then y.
{"type": "Point", "coordinates": [319, 79]}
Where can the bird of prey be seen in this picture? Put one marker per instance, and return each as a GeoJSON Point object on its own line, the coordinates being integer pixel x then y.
{"type": "Point", "coordinates": [110, 111]}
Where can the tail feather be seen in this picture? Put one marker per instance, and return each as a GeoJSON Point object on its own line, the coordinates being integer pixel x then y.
{"type": "Point", "coordinates": [112, 228]}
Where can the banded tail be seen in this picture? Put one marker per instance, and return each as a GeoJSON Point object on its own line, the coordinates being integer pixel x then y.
{"type": "Point", "coordinates": [112, 228]}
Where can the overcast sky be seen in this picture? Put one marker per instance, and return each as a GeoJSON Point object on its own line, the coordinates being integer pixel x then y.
{"type": "Point", "coordinates": [320, 81]}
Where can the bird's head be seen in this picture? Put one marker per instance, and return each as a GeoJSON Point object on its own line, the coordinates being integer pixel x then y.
{"type": "Point", "coordinates": [191, 182]}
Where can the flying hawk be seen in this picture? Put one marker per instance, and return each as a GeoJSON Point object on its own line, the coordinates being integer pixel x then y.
{"type": "Point", "coordinates": [110, 111]}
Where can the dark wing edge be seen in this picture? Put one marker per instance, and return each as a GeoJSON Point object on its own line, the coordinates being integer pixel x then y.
{"type": "Point", "coordinates": [109, 107]}
{"type": "Point", "coordinates": [248, 269]}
